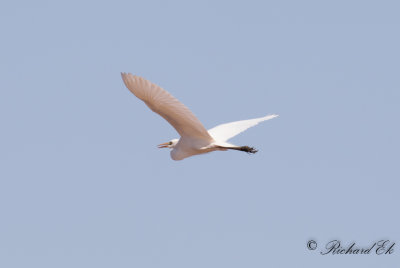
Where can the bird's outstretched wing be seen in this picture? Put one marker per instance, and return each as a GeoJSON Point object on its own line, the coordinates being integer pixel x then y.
{"type": "Point", "coordinates": [166, 105]}
{"type": "Point", "coordinates": [226, 131]}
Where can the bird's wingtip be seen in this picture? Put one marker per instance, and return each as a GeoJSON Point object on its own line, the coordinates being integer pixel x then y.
{"type": "Point", "coordinates": [270, 116]}
{"type": "Point", "coordinates": [125, 75]}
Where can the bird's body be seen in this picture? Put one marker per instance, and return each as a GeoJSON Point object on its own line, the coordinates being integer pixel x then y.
{"type": "Point", "coordinates": [187, 147]}
{"type": "Point", "coordinates": [195, 139]}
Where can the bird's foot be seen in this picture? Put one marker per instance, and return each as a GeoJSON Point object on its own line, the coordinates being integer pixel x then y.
{"type": "Point", "coordinates": [247, 149]}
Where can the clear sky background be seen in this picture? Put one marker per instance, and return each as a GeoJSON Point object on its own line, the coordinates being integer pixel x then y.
{"type": "Point", "coordinates": [82, 183]}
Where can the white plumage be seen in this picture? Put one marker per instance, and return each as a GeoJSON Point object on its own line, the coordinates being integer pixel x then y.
{"type": "Point", "coordinates": [195, 139]}
{"type": "Point", "coordinates": [227, 131]}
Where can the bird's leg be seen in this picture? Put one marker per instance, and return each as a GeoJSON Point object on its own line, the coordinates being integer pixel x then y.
{"type": "Point", "coordinates": [247, 149]}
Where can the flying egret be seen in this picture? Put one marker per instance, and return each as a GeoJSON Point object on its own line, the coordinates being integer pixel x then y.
{"type": "Point", "coordinates": [195, 139]}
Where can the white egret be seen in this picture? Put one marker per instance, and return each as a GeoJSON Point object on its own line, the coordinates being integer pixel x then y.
{"type": "Point", "coordinates": [195, 139]}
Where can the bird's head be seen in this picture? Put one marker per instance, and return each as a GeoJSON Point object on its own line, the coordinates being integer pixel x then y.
{"type": "Point", "coordinates": [171, 144]}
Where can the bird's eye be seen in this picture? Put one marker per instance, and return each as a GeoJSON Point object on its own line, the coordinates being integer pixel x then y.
{"type": "Point", "coordinates": [170, 143]}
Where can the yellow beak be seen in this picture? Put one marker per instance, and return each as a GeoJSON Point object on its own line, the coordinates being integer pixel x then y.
{"type": "Point", "coordinates": [163, 145]}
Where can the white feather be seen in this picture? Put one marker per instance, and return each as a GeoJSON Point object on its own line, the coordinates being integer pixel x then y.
{"type": "Point", "coordinates": [166, 105]}
{"type": "Point", "coordinates": [224, 132]}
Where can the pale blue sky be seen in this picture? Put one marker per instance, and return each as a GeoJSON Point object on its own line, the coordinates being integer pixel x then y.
{"type": "Point", "coordinates": [83, 184]}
